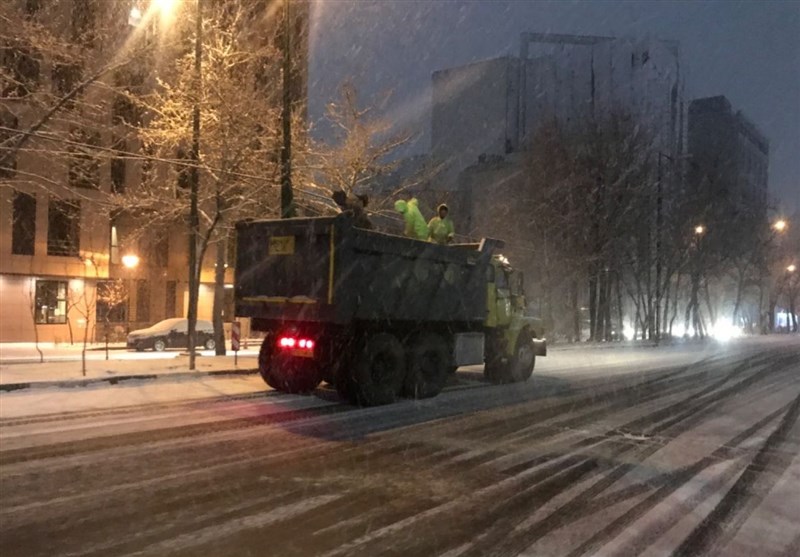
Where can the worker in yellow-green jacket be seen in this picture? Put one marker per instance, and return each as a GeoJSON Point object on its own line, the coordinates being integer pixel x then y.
{"type": "Point", "coordinates": [415, 223]}
{"type": "Point", "coordinates": [440, 228]}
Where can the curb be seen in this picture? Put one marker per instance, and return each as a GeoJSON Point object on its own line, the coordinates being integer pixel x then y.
{"type": "Point", "coordinates": [71, 383]}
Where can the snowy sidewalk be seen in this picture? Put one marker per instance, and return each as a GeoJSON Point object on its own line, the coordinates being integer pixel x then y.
{"type": "Point", "coordinates": [20, 368]}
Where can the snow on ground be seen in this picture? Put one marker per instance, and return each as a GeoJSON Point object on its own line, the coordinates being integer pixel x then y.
{"type": "Point", "coordinates": [587, 363]}
{"type": "Point", "coordinates": [102, 396]}
{"type": "Point", "coordinates": [143, 363]}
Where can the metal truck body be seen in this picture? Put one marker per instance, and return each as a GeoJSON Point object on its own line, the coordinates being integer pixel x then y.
{"type": "Point", "coordinates": [377, 315]}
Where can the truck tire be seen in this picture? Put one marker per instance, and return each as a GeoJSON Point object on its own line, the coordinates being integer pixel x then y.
{"type": "Point", "coordinates": [428, 365]}
{"type": "Point", "coordinates": [284, 373]}
{"type": "Point", "coordinates": [518, 368]}
{"type": "Point", "coordinates": [378, 371]}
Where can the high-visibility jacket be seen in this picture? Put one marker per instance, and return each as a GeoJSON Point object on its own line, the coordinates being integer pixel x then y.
{"type": "Point", "coordinates": [415, 223]}
{"type": "Point", "coordinates": [441, 230]}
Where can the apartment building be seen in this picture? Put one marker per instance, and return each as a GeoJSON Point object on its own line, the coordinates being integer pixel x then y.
{"type": "Point", "coordinates": [67, 262]}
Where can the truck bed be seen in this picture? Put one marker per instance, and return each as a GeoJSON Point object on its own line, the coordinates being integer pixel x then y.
{"type": "Point", "coordinates": [326, 270]}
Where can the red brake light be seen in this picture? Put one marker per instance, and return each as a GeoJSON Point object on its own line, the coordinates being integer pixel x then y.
{"type": "Point", "coordinates": [291, 342]}
{"type": "Point", "coordinates": [286, 342]}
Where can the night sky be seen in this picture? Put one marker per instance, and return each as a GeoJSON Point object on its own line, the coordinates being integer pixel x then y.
{"type": "Point", "coordinates": [748, 51]}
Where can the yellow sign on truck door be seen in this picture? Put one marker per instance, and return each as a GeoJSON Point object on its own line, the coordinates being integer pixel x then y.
{"type": "Point", "coordinates": [281, 245]}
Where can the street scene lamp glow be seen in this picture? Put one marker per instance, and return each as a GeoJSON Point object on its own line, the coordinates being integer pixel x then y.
{"type": "Point", "coordinates": [780, 225]}
{"type": "Point", "coordinates": [134, 17]}
{"type": "Point", "coordinates": [791, 268]}
{"type": "Point", "coordinates": [699, 229]}
{"type": "Point", "coordinates": [165, 7]}
{"type": "Point", "coordinates": [130, 261]}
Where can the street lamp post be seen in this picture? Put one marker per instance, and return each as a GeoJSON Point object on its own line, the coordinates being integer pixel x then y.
{"type": "Point", "coordinates": [287, 195]}
{"type": "Point", "coordinates": [130, 262]}
{"type": "Point", "coordinates": [194, 180]}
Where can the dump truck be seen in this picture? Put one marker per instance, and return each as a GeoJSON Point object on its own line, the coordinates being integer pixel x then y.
{"type": "Point", "coordinates": [376, 315]}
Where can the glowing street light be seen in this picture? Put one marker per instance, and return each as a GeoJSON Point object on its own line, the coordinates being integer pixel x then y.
{"type": "Point", "coordinates": [134, 17]}
{"type": "Point", "coordinates": [699, 229]}
{"type": "Point", "coordinates": [130, 261]}
{"type": "Point", "coordinates": [780, 225]}
{"type": "Point", "coordinates": [791, 268]}
{"type": "Point", "coordinates": [166, 7]}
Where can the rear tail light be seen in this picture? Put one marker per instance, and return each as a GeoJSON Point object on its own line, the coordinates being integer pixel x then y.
{"type": "Point", "coordinates": [291, 342]}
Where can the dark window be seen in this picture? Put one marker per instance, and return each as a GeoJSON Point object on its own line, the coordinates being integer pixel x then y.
{"type": "Point", "coordinates": [142, 300]}
{"type": "Point", "coordinates": [119, 167]}
{"type": "Point", "coordinates": [63, 230]}
{"type": "Point", "coordinates": [228, 306]}
{"type": "Point", "coordinates": [65, 78]}
{"type": "Point", "coordinates": [147, 164]}
{"type": "Point", "coordinates": [160, 250]}
{"type": "Point", "coordinates": [170, 299]}
{"type": "Point", "coordinates": [501, 279]}
{"type": "Point", "coordinates": [84, 163]}
{"type": "Point", "coordinates": [8, 167]}
{"type": "Point", "coordinates": [183, 171]}
{"type": "Point", "coordinates": [51, 302]}
{"type": "Point", "coordinates": [21, 73]}
{"type": "Point", "coordinates": [23, 229]}
{"type": "Point", "coordinates": [124, 110]}
{"type": "Point", "coordinates": [32, 7]}
{"type": "Point", "coordinates": [230, 256]}
{"type": "Point", "coordinates": [84, 13]}
{"type": "Point", "coordinates": [113, 241]}
{"type": "Point", "coordinates": [112, 300]}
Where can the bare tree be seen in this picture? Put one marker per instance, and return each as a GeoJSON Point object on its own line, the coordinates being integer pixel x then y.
{"type": "Point", "coordinates": [360, 148]}
{"type": "Point", "coordinates": [237, 167]}
{"type": "Point", "coordinates": [591, 185]}
{"type": "Point", "coordinates": [111, 295]}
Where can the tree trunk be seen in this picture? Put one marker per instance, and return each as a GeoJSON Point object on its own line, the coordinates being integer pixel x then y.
{"type": "Point", "coordinates": [592, 305]}
{"type": "Point", "coordinates": [107, 326]}
{"type": "Point", "coordinates": [576, 312]}
{"type": "Point", "coordinates": [194, 210]}
{"type": "Point", "coordinates": [739, 293]}
{"type": "Point", "coordinates": [219, 294]}
{"type": "Point", "coordinates": [692, 307]}
{"type": "Point", "coordinates": [607, 308]}
{"type": "Point", "coordinates": [85, 340]}
{"type": "Point", "coordinates": [773, 302]}
{"type": "Point", "coordinates": [675, 302]}
{"type": "Point", "coordinates": [620, 317]}
{"type": "Point", "coordinates": [712, 314]}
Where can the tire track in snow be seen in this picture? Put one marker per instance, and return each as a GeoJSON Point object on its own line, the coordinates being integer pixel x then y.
{"type": "Point", "coordinates": [503, 541]}
{"type": "Point", "coordinates": [727, 516]}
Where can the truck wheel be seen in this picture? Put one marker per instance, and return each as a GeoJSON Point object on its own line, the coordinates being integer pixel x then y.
{"type": "Point", "coordinates": [518, 368]}
{"type": "Point", "coordinates": [524, 358]}
{"type": "Point", "coordinates": [429, 365]}
{"type": "Point", "coordinates": [284, 373]}
{"type": "Point", "coordinates": [378, 371]}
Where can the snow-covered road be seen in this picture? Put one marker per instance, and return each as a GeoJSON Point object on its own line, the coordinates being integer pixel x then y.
{"type": "Point", "coordinates": [691, 450]}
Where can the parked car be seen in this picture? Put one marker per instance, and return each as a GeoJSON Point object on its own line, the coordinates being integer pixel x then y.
{"type": "Point", "coordinates": [171, 333]}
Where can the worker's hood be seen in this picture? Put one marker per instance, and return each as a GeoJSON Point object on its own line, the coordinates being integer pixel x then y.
{"type": "Point", "coordinates": [442, 206]}
{"type": "Point", "coordinates": [400, 206]}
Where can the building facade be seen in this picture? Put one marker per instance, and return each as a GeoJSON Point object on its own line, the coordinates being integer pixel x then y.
{"type": "Point", "coordinates": [495, 107]}
{"type": "Point", "coordinates": [728, 150]}
{"type": "Point", "coordinates": [68, 265]}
